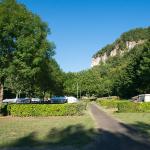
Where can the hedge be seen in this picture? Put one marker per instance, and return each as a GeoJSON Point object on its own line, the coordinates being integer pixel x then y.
{"type": "Point", "coordinates": [108, 103]}
{"type": "Point", "coordinates": [25, 110]}
{"type": "Point", "coordinates": [125, 106]}
{"type": "Point", "coordinates": [134, 107]}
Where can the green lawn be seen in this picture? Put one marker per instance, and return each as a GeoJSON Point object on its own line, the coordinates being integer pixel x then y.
{"type": "Point", "coordinates": [76, 131]}
{"type": "Point", "coordinates": [141, 121]}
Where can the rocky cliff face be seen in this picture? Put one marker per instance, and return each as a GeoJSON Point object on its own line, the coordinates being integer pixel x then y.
{"type": "Point", "coordinates": [103, 57]}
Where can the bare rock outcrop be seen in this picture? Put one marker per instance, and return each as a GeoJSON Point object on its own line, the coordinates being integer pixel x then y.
{"type": "Point", "coordinates": [103, 57]}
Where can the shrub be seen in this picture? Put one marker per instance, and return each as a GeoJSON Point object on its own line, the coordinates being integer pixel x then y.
{"type": "Point", "coordinates": [3, 109]}
{"type": "Point", "coordinates": [133, 107]}
{"type": "Point", "coordinates": [109, 103]}
{"type": "Point", "coordinates": [25, 110]}
{"type": "Point", "coordinates": [0, 106]}
{"type": "Point", "coordinates": [86, 101]}
{"type": "Point", "coordinates": [125, 106]}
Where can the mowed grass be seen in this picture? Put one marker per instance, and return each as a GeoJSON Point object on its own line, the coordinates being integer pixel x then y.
{"type": "Point", "coordinates": [75, 131]}
{"type": "Point", "coordinates": [141, 121]}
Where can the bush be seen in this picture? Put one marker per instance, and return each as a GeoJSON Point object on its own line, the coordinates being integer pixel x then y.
{"type": "Point", "coordinates": [0, 106]}
{"type": "Point", "coordinates": [3, 109]}
{"type": "Point", "coordinates": [109, 103]}
{"type": "Point", "coordinates": [86, 100]}
{"type": "Point", "coordinates": [133, 107]}
{"type": "Point", "coordinates": [25, 110]}
{"type": "Point", "coordinates": [125, 106]}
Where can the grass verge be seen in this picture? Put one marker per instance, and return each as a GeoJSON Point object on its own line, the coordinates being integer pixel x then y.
{"type": "Point", "coordinates": [140, 121]}
{"type": "Point", "coordinates": [74, 131]}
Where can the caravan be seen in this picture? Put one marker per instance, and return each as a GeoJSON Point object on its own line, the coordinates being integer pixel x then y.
{"type": "Point", "coordinates": [71, 99]}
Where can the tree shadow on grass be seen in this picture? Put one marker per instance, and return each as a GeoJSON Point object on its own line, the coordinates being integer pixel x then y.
{"type": "Point", "coordinates": [76, 137]}
{"type": "Point", "coordinates": [139, 129]}
{"type": "Point", "coordinates": [142, 128]}
{"type": "Point", "coordinates": [72, 137]}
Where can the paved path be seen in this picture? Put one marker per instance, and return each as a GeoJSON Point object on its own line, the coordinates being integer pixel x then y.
{"type": "Point", "coordinates": [114, 135]}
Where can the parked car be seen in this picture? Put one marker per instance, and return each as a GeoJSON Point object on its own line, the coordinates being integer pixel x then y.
{"type": "Point", "coordinates": [35, 100]}
{"type": "Point", "coordinates": [17, 100]}
{"type": "Point", "coordinates": [13, 100]}
{"type": "Point", "coordinates": [23, 100]}
{"type": "Point", "coordinates": [58, 100]}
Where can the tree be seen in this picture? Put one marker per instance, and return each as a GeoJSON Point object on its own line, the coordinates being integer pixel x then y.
{"type": "Point", "coordinates": [143, 71]}
{"type": "Point", "coordinates": [23, 45]}
{"type": "Point", "coordinates": [50, 79]}
{"type": "Point", "coordinates": [70, 82]}
{"type": "Point", "coordinates": [57, 78]}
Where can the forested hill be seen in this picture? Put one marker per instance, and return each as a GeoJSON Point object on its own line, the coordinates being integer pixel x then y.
{"type": "Point", "coordinates": [125, 43]}
{"type": "Point", "coordinates": [125, 72]}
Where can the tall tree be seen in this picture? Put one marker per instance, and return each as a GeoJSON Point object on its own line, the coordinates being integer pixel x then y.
{"type": "Point", "coordinates": [50, 79]}
{"type": "Point", "coordinates": [23, 45]}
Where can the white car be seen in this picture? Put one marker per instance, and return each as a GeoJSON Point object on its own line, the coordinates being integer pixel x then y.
{"type": "Point", "coordinates": [35, 100]}
{"type": "Point", "coordinates": [13, 100]}
{"type": "Point", "coordinates": [17, 100]}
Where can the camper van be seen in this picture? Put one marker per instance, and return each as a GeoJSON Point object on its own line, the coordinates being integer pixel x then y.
{"type": "Point", "coordinates": [142, 98]}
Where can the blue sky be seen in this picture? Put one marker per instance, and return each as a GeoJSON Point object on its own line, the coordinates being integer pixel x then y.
{"type": "Point", "coordinates": [79, 28]}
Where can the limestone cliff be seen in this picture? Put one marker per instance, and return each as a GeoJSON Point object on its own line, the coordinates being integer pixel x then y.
{"type": "Point", "coordinates": [125, 43]}
{"type": "Point", "coordinates": [114, 52]}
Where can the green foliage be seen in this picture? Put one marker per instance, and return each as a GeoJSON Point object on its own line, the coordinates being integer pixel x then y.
{"type": "Point", "coordinates": [135, 34]}
{"type": "Point", "coordinates": [87, 100]}
{"type": "Point", "coordinates": [134, 107]}
{"type": "Point", "coordinates": [143, 71]}
{"type": "Point", "coordinates": [26, 63]}
{"type": "Point", "coordinates": [3, 109]}
{"type": "Point", "coordinates": [113, 103]}
{"type": "Point", "coordinates": [130, 77]}
{"type": "Point", "coordinates": [25, 110]}
{"type": "Point", "coordinates": [90, 83]}
{"type": "Point", "coordinates": [57, 78]}
{"type": "Point", "coordinates": [50, 79]}
{"type": "Point", "coordinates": [125, 105]}
{"type": "Point", "coordinates": [70, 83]}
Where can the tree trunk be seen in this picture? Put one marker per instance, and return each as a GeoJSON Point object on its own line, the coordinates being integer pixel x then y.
{"type": "Point", "coordinates": [16, 95]}
{"type": "Point", "coordinates": [1, 92]}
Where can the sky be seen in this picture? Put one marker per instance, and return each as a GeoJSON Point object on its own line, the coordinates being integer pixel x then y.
{"type": "Point", "coordinates": [79, 28]}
